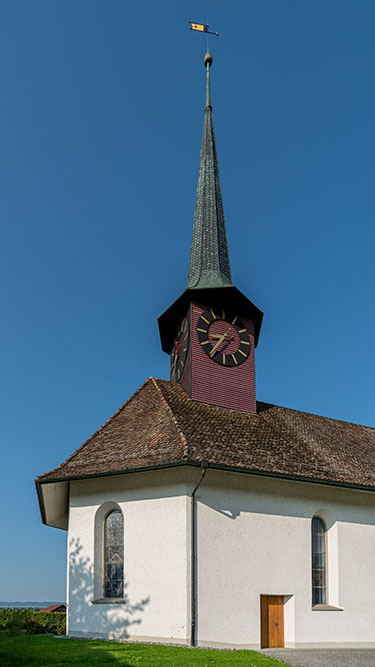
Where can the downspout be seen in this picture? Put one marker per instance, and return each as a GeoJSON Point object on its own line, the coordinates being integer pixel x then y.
{"type": "Point", "coordinates": [193, 556]}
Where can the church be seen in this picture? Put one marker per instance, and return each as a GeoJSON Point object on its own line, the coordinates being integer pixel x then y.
{"type": "Point", "coordinates": [197, 515]}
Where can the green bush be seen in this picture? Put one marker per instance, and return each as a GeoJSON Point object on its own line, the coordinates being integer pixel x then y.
{"type": "Point", "coordinates": [13, 619]}
{"type": "Point", "coordinates": [33, 622]}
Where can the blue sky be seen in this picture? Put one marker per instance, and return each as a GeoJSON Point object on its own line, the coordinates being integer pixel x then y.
{"type": "Point", "coordinates": [101, 117]}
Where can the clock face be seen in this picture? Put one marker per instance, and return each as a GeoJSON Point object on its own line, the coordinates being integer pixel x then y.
{"type": "Point", "coordinates": [223, 337]}
{"type": "Point", "coordinates": [179, 352]}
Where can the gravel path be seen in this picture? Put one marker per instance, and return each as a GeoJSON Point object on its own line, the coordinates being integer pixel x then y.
{"type": "Point", "coordinates": [326, 658]}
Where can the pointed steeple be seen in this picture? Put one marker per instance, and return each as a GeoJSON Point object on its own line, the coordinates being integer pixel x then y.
{"type": "Point", "coordinates": [209, 259]}
{"type": "Point", "coordinates": [209, 280]}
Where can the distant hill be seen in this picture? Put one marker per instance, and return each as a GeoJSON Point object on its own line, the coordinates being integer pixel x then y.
{"type": "Point", "coordinates": [29, 603]}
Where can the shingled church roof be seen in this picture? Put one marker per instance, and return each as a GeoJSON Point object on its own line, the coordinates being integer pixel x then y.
{"type": "Point", "coordinates": [161, 426]}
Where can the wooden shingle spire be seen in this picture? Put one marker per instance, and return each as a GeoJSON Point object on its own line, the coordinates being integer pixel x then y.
{"type": "Point", "coordinates": [209, 258]}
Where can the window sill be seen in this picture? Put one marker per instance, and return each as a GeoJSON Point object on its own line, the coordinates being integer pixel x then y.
{"type": "Point", "coordinates": [326, 607]}
{"type": "Point", "coordinates": [109, 601]}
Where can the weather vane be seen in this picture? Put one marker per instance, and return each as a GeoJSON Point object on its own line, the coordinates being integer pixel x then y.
{"type": "Point", "coordinates": [202, 27]}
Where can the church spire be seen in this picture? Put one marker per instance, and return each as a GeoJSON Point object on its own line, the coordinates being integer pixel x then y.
{"type": "Point", "coordinates": [209, 259]}
{"type": "Point", "coordinates": [209, 283]}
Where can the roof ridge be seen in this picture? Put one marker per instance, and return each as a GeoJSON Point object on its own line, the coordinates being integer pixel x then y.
{"type": "Point", "coordinates": [174, 419]}
{"type": "Point", "coordinates": [99, 430]}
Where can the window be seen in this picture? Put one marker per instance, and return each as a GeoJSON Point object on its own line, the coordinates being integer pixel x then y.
{"type": "Point", "coordinates": [114, 555]}
{"type": "Point", "coordinates": [319, 561]}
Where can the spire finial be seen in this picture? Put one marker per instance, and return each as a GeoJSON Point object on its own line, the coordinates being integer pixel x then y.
{"type": "Point", "coordinates": [207, 63]}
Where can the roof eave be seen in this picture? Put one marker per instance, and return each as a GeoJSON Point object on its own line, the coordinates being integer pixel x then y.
{"type": "Point", "coordinates": [213, 466]}
{"type": "Point", "coordinates": [54, 508]}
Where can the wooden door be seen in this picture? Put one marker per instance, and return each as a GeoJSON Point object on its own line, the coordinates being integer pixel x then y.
{"type": "Point", "coordinates": [271, 621]}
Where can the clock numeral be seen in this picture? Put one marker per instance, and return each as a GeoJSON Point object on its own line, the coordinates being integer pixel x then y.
{"type": "Point", "coordinates": [234, 359]}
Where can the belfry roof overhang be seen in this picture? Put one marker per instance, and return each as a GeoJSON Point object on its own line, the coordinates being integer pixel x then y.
{"type": "Point", "coordinates": [214, 296]}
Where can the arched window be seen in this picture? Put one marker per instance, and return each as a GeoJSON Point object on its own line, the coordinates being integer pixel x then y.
{"type": "Point", "coordinates": [114, 555]}
{"type": "Point", "coordinates": [319, 561]}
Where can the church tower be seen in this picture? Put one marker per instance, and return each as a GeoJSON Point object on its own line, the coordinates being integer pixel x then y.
{"type": "Point", "coordinates": [212, 329]}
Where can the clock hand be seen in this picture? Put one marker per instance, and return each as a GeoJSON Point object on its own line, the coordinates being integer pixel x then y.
{"type": "Point", "coordinates": [217, 336]}
{"type": "Point", "coordinates": [218, 342]}
{"type": "Point", "coordinates": [226, 343]}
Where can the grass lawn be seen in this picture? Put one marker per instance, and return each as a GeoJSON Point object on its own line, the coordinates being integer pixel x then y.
{"type": "Point", "coordinates": [48, 650]}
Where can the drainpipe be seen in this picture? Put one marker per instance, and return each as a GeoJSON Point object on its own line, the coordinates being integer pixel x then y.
{"type": "Point", "coordinates": [194, 555]}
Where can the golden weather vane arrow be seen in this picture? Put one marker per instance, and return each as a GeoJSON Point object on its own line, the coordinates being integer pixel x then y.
{"type": "Point", "coordinates": [202, 27]}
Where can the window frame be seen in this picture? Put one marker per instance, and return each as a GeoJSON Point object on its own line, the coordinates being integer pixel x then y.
{"type": "Point", "coordinates": [314, 589]}
{"type": "Point", "coordinates": [105, 562]}
{"type": "Point", "coordinates": [98, 556]}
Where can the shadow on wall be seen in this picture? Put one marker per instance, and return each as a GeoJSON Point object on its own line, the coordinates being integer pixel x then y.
{"type": "Point", "coordinates": [111, 620]}
{"type": "Point", "coordinates": [255, 494]}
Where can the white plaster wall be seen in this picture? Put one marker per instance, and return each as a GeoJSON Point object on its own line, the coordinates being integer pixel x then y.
{"type": "Point", "coordinates": [254, 538]}
{"type": "Point", "coordinates": [156, 524]}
